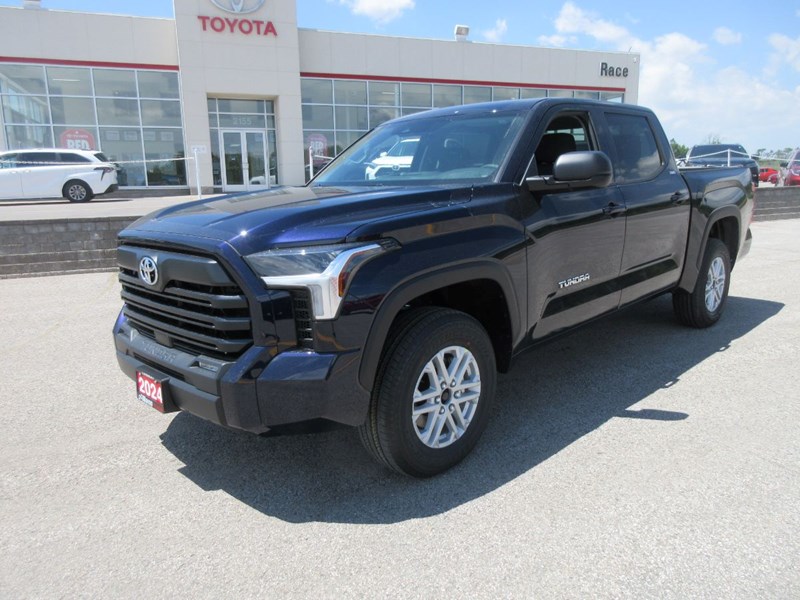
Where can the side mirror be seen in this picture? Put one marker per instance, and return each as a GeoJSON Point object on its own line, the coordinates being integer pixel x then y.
{"type": "Point", "coordinates": [384, 153]}
{"type": "Point", "coordinates": [576, 170]}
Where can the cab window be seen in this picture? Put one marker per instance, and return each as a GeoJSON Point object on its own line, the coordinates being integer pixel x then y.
{"type": "Point", "coordinates": [637, 154]}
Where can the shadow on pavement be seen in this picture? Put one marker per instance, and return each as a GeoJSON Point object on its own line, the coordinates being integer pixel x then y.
{"type": "Point", "coordinates": [554, 395]}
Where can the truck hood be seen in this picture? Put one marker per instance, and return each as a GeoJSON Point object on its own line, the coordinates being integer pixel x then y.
{"type": "Point", "coordinates": [285, 216]}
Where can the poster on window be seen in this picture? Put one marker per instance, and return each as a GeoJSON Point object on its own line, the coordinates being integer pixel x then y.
{"type": "Point", "coordinates": [77, 139]}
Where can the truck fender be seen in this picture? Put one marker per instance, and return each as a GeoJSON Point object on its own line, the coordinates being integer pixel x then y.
{"type": "Point", "coordinates": [406, 292]}
{"type": "Point", "coordinates": [697, 244]}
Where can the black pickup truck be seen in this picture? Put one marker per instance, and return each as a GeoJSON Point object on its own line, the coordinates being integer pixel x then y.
{"type": "Point", "coordinates": [390, 302]}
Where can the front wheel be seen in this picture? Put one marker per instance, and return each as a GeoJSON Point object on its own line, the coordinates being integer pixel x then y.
{"type": "Point", "coordinates": [703, 306]}
{"type": "Point", "coordinates": [433, 392]}
{"type": "Point", "coordinates": [77, 191]}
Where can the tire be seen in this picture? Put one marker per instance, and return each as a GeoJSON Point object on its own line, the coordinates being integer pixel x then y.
{"type": "Point", "coordinates": [450, 419]}
{"type": "Point", "coordinates": [77, 191]}
{"type": "Point", "coordinates": [704, 305]}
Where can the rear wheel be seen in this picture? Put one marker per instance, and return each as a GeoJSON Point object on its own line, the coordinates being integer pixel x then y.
{"type": "Point", "coordinates": [433, 393]}
{"type": "Point", "coordinates": [77, 191]}
{"type": "Point", "coordinates": [703, 306]}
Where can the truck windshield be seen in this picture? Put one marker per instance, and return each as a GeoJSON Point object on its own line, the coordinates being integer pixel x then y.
{"type": "Point", "coordinates": [428, 149]}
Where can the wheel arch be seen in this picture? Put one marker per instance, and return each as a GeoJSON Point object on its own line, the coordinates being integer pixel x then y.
{"type": "Point", "coordinates": [483, 290]}
{"type": "Point", "coordinates": [723, 224]}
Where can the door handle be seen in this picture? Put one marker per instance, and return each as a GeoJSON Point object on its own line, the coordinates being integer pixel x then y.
{"type": "Point", "coordinates": [679, 197]}
{"type": "Point", "coordinates": [613, 209]}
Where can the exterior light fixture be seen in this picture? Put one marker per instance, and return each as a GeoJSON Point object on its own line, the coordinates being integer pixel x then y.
{"type": "Point", "coordinates": [461, 32]}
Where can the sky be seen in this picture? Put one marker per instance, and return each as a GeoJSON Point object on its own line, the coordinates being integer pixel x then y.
{"type": "Point", "coordinates": [730, 71]}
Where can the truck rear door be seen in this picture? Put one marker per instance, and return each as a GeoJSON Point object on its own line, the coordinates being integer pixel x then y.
{"type": "Point", "coordinates": [657, 204]}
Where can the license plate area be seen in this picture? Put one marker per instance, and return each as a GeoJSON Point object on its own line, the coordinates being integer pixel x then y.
{"type": "Point", "coordinates": [154, 391]}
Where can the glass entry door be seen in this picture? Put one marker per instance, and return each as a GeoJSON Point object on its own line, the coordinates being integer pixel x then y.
{"type": "Point", "coordinates": [244, 160]}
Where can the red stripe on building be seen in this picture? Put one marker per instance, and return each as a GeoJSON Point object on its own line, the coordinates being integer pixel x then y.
{"type": "Point", "coordinates": [86, 63]}
{"type": "Point", "coordinates": [537, 86]}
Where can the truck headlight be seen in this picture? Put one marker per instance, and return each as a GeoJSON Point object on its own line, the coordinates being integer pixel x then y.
{"type": "Point", "coordinates": [324, 270]}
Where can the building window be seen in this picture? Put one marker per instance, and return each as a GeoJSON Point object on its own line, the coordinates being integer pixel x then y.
{"type": "Point", "coordinates": [447, 95]}
{"type": "Point", "coordinates": [528, 93]}
{"type": "Point", "coordinates": [612, 96]}
{"type": "Point", "coordinates": [63, 81]}
{"type": "Point", "coordinates": [417, 95]}
{"type": "Point", "coordinates": [337, 112]}
{"type": "Point", "coordinates": [115, 83]}
{"type": "Point", "coordinates": [474, 94]}
{"type": "Point", "coordinates": [133, 116]}
{"type": "Point", "coordinates": [505, 93]}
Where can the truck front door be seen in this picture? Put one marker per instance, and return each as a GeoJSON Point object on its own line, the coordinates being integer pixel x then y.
{"type": "Point", "coordinates": [575, 237]}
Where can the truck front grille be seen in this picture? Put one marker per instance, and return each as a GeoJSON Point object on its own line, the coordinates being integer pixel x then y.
{"type": "Point", "coordinates": [198, 308]}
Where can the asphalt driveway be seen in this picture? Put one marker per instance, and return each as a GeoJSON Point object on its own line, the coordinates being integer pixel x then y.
{"type": "Point", "coordinates": [633, 458]}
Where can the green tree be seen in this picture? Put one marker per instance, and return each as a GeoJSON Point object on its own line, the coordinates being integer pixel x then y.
{"type": "Point", "coordinates": [679, 150]}
{"type": "Point", "coordinates": [713, 138]}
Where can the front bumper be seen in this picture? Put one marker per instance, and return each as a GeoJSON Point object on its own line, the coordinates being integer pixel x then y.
{"type": "Point", "coordinates": [257, 392]}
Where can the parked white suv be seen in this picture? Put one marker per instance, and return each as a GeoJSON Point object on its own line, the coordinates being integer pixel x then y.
{"type": "Point", "coordinates": [399, 156]}
{"type": "Point", "coordinates": [77, 175]}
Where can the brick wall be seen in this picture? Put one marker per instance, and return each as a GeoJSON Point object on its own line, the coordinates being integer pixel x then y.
{"type": "Point", "coordinates": [777, 203]}
{"type": "Point", "coordinates": [46, 247]}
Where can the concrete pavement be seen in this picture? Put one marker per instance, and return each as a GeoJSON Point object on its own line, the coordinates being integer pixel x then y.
{"type": "Point", "coordinates": [634, 458]}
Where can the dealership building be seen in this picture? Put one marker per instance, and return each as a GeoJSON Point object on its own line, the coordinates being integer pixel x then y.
{"type": "Point", "coordinates": [233, 95]}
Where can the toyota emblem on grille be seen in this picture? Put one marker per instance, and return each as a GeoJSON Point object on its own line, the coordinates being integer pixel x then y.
{"type": "Point", "coordinates": [148, 271]}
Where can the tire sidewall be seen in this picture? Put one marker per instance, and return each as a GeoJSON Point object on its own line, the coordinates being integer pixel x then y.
{"type": "Point", "coordinates": [410, 453]}
{"type": "Point", "coordinates": [715, 249]}
{"type": "Point", "coordinates": [70, 184]}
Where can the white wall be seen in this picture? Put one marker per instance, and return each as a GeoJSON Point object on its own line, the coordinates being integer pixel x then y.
{"type": "Point", "coordinates": [233, 65]}
{"type": "Point", "coordinates": [357, 54]}
{"type": "Point", "coordinates": [52, 34]}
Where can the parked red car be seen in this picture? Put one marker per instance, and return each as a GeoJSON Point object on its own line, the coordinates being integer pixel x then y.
{"type": "Point", "coordinates": [764, 174]}
{"type": "Point", "coordinates": [792, 175]}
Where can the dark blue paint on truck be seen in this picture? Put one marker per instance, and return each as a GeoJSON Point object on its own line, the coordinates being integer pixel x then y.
{"type": "Point", "coordinates": [283, 308]}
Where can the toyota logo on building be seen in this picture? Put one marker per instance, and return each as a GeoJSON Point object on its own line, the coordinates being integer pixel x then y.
{"type": "Point", "coordinates": [239, 7]}
{"type": "Point", "coordinates": [148, 271]}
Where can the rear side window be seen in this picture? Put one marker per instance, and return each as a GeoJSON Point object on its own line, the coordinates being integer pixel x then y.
{"type": "Point", "coordinates": [34, 159]}
{"type": "Point", "coordinates": [8, 161]}
{"type": "Point", "coordinates": [638, 158]}
{"type": "Point", "coordinates": [72, 158]}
